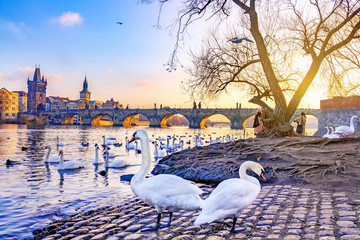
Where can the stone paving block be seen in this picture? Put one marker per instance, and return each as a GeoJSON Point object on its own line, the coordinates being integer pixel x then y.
{"type": "Point", "coordinates": [350, 237]}
{"type": "Point", "coordinates": [327, 238]}
{"type": "Point", "coordinates": [292, 237]}
{"type": "Point", "coordinates": [84, 237]}
{"type": "Point", "coordinates": [346, 224]}
{"type": "Point", "coordinates": [349, 231]}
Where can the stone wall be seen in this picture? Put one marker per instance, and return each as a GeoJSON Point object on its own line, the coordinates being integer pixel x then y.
{"type": "Point", "coordinates": [335, 117]}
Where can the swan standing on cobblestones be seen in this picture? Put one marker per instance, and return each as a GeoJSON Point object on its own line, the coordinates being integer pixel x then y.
{"type": "Point", "coordinates": [165, 192]}
{"type": "Point", "coordinates": [232, 196]}
{"type": "Point", "coordinates": [344, 131]}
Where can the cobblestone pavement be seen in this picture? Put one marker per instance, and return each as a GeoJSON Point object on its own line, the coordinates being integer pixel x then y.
{"type": "Point", "coordinates": [279, 212]}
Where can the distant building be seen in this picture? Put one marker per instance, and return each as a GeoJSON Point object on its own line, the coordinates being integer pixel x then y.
{"type": "Point", "coordinates": [85, 94]}
{"type": "Point", "coordinates": [56, 103]}
{"type": "Point", "coordinates": [340, 102]}
{"type": "Point", "coordinates": [111, 104]}
{"type": "Point", "coordinates": [9, 105]}
{"type": "Point", "coordinates": [23, 96]}
{"type": "Point", "coordinates": [36, 92]}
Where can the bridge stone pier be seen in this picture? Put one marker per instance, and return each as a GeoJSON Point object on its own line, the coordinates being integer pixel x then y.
{"type": "Point", "coordinates": [159, 117]}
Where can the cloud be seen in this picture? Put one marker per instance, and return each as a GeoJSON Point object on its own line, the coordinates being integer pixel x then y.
{"type": "Point", "coordinates": [22, 74]}
{"type": "Point", "coordinates": [142, 83]}
{"type": "Point", "coordinates": [54, 78]}
{"type": "Point", "coordinates": [18, 30]}
{"type": "Point", "coordinates": [68, 19]}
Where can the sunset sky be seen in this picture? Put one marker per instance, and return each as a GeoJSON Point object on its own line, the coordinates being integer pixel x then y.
{"type": "Point", "coordinates": [72, 38]}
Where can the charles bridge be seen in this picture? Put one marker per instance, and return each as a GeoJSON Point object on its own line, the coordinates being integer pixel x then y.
{"type": "Point", "coordinates": [158, 117]}
{"type": "Point", "coordinates": [196, 117]}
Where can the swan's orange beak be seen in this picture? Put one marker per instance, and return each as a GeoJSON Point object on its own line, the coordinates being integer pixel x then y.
{"type": "Point", "coordinates": [132, 139]}
{"type": "Point", "coordinates": [263, 176]}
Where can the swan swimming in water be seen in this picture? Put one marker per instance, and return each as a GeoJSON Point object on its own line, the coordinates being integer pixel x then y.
{"type": "Point", "coordinates": [129, 145]}
{"type": "Point", "coordinates": [53, 158]}
{"type": "Point", "coordinates": [232, 196]}
{"type": "Point", "coordinates": [117, 163]}
{"type": "Point", "coordinates": [59, 144]}
{"type": "Point", "coordinates": [159, 152]}
{"type": "Point", "coordinates": [72, 164]}
{"type": "Point", "coordinates": [165, 192]}
{"type": "Point", "coordinates": [97, 160]}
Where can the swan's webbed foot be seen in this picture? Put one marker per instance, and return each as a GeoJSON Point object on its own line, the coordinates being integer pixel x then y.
{"type": "Point", "coordinates": [157, 225]}
{"type": "Point", "coordinates": [237, 231]}
{"type": "Point", "coordinates": [155, 228]}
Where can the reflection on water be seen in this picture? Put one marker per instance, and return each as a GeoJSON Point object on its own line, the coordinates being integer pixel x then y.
{"type": "Point", "coordinates": [34, 194]}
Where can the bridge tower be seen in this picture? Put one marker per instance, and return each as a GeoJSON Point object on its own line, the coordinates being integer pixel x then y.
{"type": "Point", "coordinates": [85, 94]}
{"type": "Point", "coordinates": [36, 92]}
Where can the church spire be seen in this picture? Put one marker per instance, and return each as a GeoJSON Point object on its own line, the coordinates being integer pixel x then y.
{"type": "Point", "coordinates": [85, 94]}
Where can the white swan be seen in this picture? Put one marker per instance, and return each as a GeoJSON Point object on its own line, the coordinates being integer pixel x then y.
{"type": "Point", "coordinates": [72, 164]}
{"type": "Point", "coordinates": [159, 152]}
{"type": "Point", "coordinates": [59, 144]}
{"type": "Point", "coordinates": [327, 132]}
{"type": "Point", "coordinates": [129, 145]}
{"type": "Point", "coordinates": [109, 140]}
{"type": "Point", "coordinates": [117, 163]}
{"type": "Point", "coordinates": [53, 158]}
{"type": "Point", "coordinates": [164, 191]}
{"type": "Point", "coordinates": [232, 196]}
{"type": "Point", "coordinates": [331, 134]}
{"type": "Point", "coordinates": [111, 153]}
{"type": "Point", "coordinates": [97, 160]}
{"type": "Point", "coordinates": [137, 148]}
{"type": "Point", "coordinates": [346, 130]}
{"type": "Point", "coordinates": [198, 141]}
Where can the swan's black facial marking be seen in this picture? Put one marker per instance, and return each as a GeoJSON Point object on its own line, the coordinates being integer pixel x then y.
{"type": "Point", "coordinates": [133, 138]}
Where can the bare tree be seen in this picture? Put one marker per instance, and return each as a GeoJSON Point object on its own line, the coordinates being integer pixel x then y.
{"type": "Point", "coordinates": [324, 31]}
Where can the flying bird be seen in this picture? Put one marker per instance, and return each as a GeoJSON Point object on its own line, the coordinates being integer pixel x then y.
{"type": "Point", "coordinates": [119, 23]}
{"type": "Point", "coordinates": [239, 40]}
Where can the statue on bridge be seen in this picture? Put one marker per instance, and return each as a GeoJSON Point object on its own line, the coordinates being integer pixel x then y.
{"type": "Point", "coordinates": [194, 107]}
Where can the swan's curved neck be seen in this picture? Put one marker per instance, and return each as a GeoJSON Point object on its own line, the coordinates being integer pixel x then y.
{"type": "Point", "coordinates": [146, 161]}
{"type": "Point", "coordinates": [156, 151]}
{"type": "Point", "coordinates": [243, 175]}
{"type": "Point", "coordinates": [48, 154]}
{"type": "Point", "coordinates": [61, 160]}
{"type": "Point", "coordinates": [352, 122]}
{"type": "Point", "coordinates": [106, 159]}
{"type": "Point", "coordinates": [96, 154]}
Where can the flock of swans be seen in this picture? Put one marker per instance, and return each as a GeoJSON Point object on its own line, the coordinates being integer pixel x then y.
{"type": "Point", "coordinates": [166, 192]}
{"type": "Point", "coordinates": [170, 193]}
{"type": "Point", "coordinates": [341, 131]}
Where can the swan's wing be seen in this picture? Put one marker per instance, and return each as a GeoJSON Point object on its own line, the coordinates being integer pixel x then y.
{"type": "Point", "coordinates": [170, 192]}
{"type": "Point", "coordinates": [167, 185]}
{"type": "Point", "coordinates": [227, 199]}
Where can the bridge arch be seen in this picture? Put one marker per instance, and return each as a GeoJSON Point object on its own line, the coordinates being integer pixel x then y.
{"type": "Point", "coordinates": [71, 118]}
{"type": "Point", "coordinates": [136, 120]}
{"type": "Point", "coordinates": [102, 120]}
{"type": "Point", "coordinates": [312, 122]}
{"type": "Point", "coordinates": [164, 120]}
{"type": "Point", "coordinates": [203, 121]}
{"type": "Point", "coordinates": [248, 121]}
